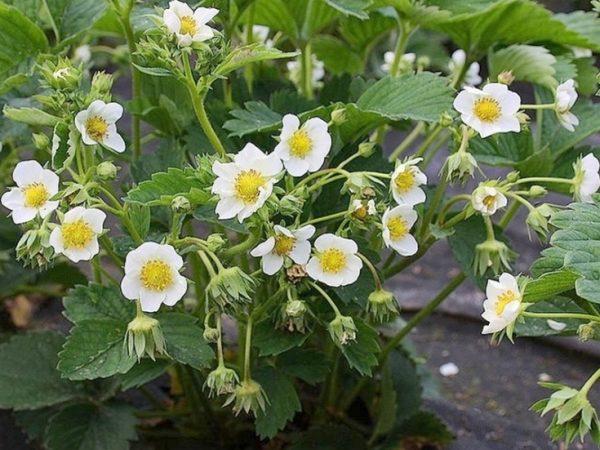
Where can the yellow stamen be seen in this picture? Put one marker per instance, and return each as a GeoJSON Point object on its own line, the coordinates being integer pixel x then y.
{"type": "Point", "coordinates": [188, 25]}
{"type": "Point", "coordinates": [487, 109]}
{"type": "Point", "coordinates": [300, 144]}
{"type": "Point", "coordinates": [36, 195]}
{"type": "Point", "coordinates": [284, 244]}
{"type": "Point", "coordinates": [156, 275]}
{"type": "Point", "coordinates": [504, 299]}
{"type": "Point", "coordinates": [398, 228]}
{"type": "Point", "coordinates": [76, 234]}
{"type": "Point", "coordinates": [332, 260]}
{"type": "Point", "coordinates": [361, 212]}
{"type": "Point", "coordinates": [489, 201]}
{"type": "Point", "coordinates": [247, 185]}
{"type": "Point", "coordinates": [405, 180]}
{"type": "Point", "coordinates": [97, 128]}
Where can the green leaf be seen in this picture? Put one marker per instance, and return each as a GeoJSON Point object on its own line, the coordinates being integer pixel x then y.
{"type": "Point", "coordinates": [585, 24]}
{"type": "Point", "coordinates": [467, 234]}
{"type": "Point", "coordinates": [539, 327]}
{"type": "Point", "coordinates": [34, 422]}
{"type": "Point", "coordinates": [309, 365]}
{"type": "Point", "coordinates": [13, 82]}
{"type": "Point", "coordinates": [165, 186]}
{"type": "Point", "coordinates": [361, 353]}
{"type": "Point", "coordinates": [272, 341]}
{"type": "Point", "coordinates": [506, 149]}
{"type": "Point", "coordinates": [95, 301]}
{"type": "Point", "coordinates": [422, 426]}
{"type": "Point", "coordinates": [255, 118]}
{"type": "Point", "coordinates": [275, 15]}
{"type": "Point", "coordinates": [283, 402]}
{"type": "Point", "coordinates": [549, 285]}
{"type": "Point", "coordinates": [28, 375]}
{"type": "Point", "coordinates": [354, 8]}
{"type": "Point", "coordinates": [386, 412]}
{"type": "Point", "coordinates": [424, 96]}
{"type": "Point", "coordinates": [61, 153]}
{"type": "Point", "coordinates": [330, 437]}
{"type": "Point", "coordinates": [526, 62]}
{"type": "Point", "coordinates": [336, 55]}
{"type": "Point", "coordinates": [30, 116]}
{"type": "Point", "coordinates": [185, 340]}
{"type": "Point", "coordinates": [20, 39]}
{"type": "Point", "coordinates": [154, 71]}
{"type": "Point", "coordinates": [358, 292]}
{"type": "Point", "coordinates": [88, 426]}
{"type": "Point", "coordinates": [95, 349]}
{"type": "Point", "coordinates": [207, 214]}
{"type": "Point", "coordinates": [72, 17]}
{"type": "Point", "coordinates": [362, 34]}
{"type": "Point", "coordinates": [407, 384]}
{"type": "Point", "coordinates": [144, 372]}
{"type": "Point", "coordinates": [248, 54]}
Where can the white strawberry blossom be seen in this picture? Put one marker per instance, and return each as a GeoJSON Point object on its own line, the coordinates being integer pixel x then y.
{"type": "Point", "coordinates": [487, 200]}
{"type": "Point", "coordinates": [406, 181]}
{"type": "Point", "coordinates": [566, 96]}
{"type": "Point", "coordinates": [397, 223]}
{"type": "Point", "coordinates": [187, 24]}
{"type": "Point", "coordinates": [335, 261]}
{"type": "Point", "coordinates": [97, 125]}
{"type": "Point", "coordinates": [284, 243]}
{"type": "Point", "coordinates": [77, 236]}
{"type": "Point", "coordinates": [502, 305]}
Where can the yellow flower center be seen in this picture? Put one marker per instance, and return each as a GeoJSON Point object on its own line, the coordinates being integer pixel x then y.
{"type": "Point", "coordinates": [156, 275]}
{"type": "Point", "coordinates": [96, 127]}
{"type": "Point", "coordinates": [361, 212]}
{"type": "Point", "coordinates": [247, 185]}
{"type": "Point", "coordinates": [188, 25]}
{"type": "Point", "coordinates": [332, 260]}
{"type": "Point", "coordinates": [504, 299]}
{"type": "Point", "coordinates": [405, 181]}
{"type": "Point", "coordinates": [489, 201]}
{"type": "Point", "coordinates": [36, 195]}
{"type": "Point", "coordinates": [300, 144]}
{"type": "Point", "coordinates": [487, 109]}
{"type": "Point", "coordinates": [284, 244]}
{"type": "Point", "coordinates": [398, 228]}
{"type": "Point", "coordinates": [76, 234]}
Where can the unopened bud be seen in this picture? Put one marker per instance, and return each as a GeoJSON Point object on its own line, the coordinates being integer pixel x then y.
{"type": "Point", "coordinates": [41, 141]}
{"type": "Point", "coordinates": [215, 242]}
{"type": "Point", "coordinates": [181, 205]}
{"type": "Point", "coordinates": [211, 334]}
{"type": "Point", "coordinates": [106, 170]}
{"type": "Point", "coordinates": [102, 83]}
{"type": "Point", "coordinates": [506, 77]}
{"type": "Point", "coordinates": [338, 116]}
{"type": "Point", "coordinates": [513, 176]}
{"type": "Point", "coordinates": [366, 149]}
{"type": "Point", "coordinates": [382, 305]}
{"type": "Point", "coordinates": [423, 62]}
{"type": "Point", "coordinates": [588, 331]}
{"type": "Point", "coordinates": [523, 118]}
{"type": "Point", "coordinates": [446, 120]}
{"type": "Point", "coordinates": [537, 191]}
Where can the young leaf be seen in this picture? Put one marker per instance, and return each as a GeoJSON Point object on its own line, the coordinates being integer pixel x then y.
{"type": "Point", "coordinates": [283, 402]}
{"type": "Point", "coordinates": [74, 16]}
{"type": "Point", "coordinates": [247, 54]}
{"type": "Point", "coordinates": [95, 349]}
{"type": "Point", "coordinates": [165, 186]}
{"type": "Point", "coordinates": [88, 426]}
{"type": "Point", "coordinates": [28, 375]}
{"type": "Point", "coordinates": [361, 353]}
{"type": "Point", "coordinates": [255, 118]}
{"type": "Point", "coordinates": [336, 55]}
{"type": "Point", "coordinates": [95, 301]}
{"type": "Point", "coordinates": [424, 96]}
{"type": "Point", "coordinates": [30, 116]}
{"type": "Point", "coordinates": [185, 341]}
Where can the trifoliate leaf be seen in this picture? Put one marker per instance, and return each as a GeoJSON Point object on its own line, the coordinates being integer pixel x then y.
{"type": "Point", "coordinates": [526, 63]}
{"type": "Point", "coordinates": [90, 426]}
{"type": "Point", "coordinates": [20, 37]}
{"type": "Point", "coordinates": [361, 353]}
{"type": "Point", "coordinates": [276, 15]}
{"type": "Point", "coordinates": [95, 301]}
{"type": "Point", "coordinates": [283, 402]}
{"type": "Point", "coordinates": [424, 96]}
{"type": "Point", "coordinates": [28, 375]}
{"type": "Point", "coordinates": [95, 349]}
{"type": "Point", "coordinates": [164, 186]}
{"type": "Point", "coordinates": [361, 34]}
{"type": "Point", "coordinates": [549, 285]}
{"type": "Point", "coordinates": [185, 341]}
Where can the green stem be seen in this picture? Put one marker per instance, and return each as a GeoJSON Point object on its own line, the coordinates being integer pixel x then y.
{"type": "Point", "coordinates": [428, 141]}
{"type": "Point", "coordinates": [544, 180]}
{"type": "Point", "coordinates": [536, 106]}
{"type": "Point", "coordinates": [243, 246]}
{"type": "Point", "coordinates": [371, 267]}
{"type": "Point", "coordinates": [435, 201]}
{"type": "Point", "coordinates": [325, 218]}
{"type": "Point", "coordinates": [326, 297]}
{"type": "Point", "coordinates": [307, 88]}
{"type": "Point", "coordinates": [198, 104]}
{"type": "Point", "coordinates": [509, 214]}
{"type": "Point", "coordinates": [590, 382]}
{"type": "Point", "coordinates": [404, 32]}
{"type": "Point", "coordinates": [248, 349]}
{"type": "Point", "coordinates": [578, 316]}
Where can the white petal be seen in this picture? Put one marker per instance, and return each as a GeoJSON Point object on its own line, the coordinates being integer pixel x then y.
{"type": "Point", "coordinates": [112, 112]}
{"type": "Point", "coordinates": [176, 292]}
{"type": "Point", "coordinates": [228, 207]}
{"type": "Point", "coordinates": [407, 246]}
{"type": "Point", "coordinates": [271, 263]}
{"type": "Point", "coordinates": [296, 167]}
{"type": "Point", "coordinates": [204, 33]}
{"type": "Point", "coordinates": [114, 141]}
{"type": "Point", "coordinates": [204, 15]}
{"type": "Point", "coordinates": [463, 102]}
{"type": "Point", "coordinates": [263, 248]}
{"type": "Point", "coordinates": [306, 232]}
{"type": "Point", "coordinates": [13, 199]}
{"type": "Point", "coordinates": [130, 287]}
{"type": "Point", "coordinates": [151, 301]}
{"type": "Point", "coordinates": [301, 252]}
{"type": "Point", "coordinates": [95, 218]}
{"type": "Point", "coordinates": [171, 21]}
{"type": "Point", "coordinates": [27, 172]}
{"type": "Point", "coordinates": [22, 215]}
{"type": "Point", "coordinates": [291, 123]}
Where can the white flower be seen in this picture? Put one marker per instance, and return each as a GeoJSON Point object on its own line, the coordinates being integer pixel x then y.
{"type": "Point", "coordinates": [456, 64]}
{"type": "Point", "coordinates": [566, 96]}
{"type": "Point", "coordinates": [335, 262]}
{"type": "Point", "coordinates": [489, 111]}
{"type": "Point", "coordinates": [82, 53]}
{"type": "Point", "coordinates": [303, 149]}
{"type": "Point", "coordinates": [152, 276]}
{"type": "Point", "coordinates": [294, 244]}
{"type": "Point", "coordinates": [245, 184]}
{"type": "Point", "coordinates": [406, 60]}
{"type": "Point", "coordinates": [487, 200]}
{"type": "Point", "coordinates": [295, 71]}
{"type": "Point", "coordinates": [360, 210]}
{"type": "Point", "coordinates": [503, 303]}
{"type": "Point", "coordinates": [397, 223]}
{"type": "Point", "coordinates": [405, 183]}
{"type": "Point", "coordinates": [188, 25]}
{"type": "Point", "coordinates": [31, 197]}
{"type": "Point", "coordinates": [587, 178]}
{"type": "Point", "coordinates": [97, 125]}
{"type": "Point", "coordinates": [77, 236]}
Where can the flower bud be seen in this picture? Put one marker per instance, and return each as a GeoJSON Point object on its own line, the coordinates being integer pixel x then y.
{"type": "Point", "coordinates": [106, 171]}
{"type": "Point", "coordinates": [506, 77]}
{"type": "Point", "coordinates": [513, 176]}
{"type": "Point", "coordinates": [446, 120]}
{"type": "Point", "coordinates": [537, 191]}
{"type": "Point", "coordinates": [144, 337]}
{"type": "Point", "coordinates": [41, 141]}
{"type": "Point", "coordinates": [215, 242]}
{"type": "Point", "coordinates": [460, 165]}
{"type": "Point", "coordinates": [382, 305]}
{"type": "Point", "coordinates": [492, 254]}
{"type": "Point", "coordinates": [342, 330]}
{"type": "Point", "coordinates": [231, 287]}
{"type": "Point", "coordinates": [221, 381]}
{"type": "Point", "coordinates": [61, 74]}
{"type": "Point", "coordinates": [366, 149]}
{"type": "Point", "coordinates": [523, 118]}
{"type": "Point", "coordinates": [338, 116]}
{"type": "Point", "coordinates": [211, 334]}
{"type": "Point", "coordinates": [588, 331]}
{"type": "Point", "coordinates": [249, 397]}
{"type": "Point", "coordinates": [537, 222]}
{"type": "Point", "coordinates": [102, 83]}
{"type": "Point", "coordinates": [293, 316]}
{"type": "Point", "coordinates": [181, 205]}
{"type": "Point", "coordinates": [290, 205]}
{"type": "Point", "coordinates": [423, 62]}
